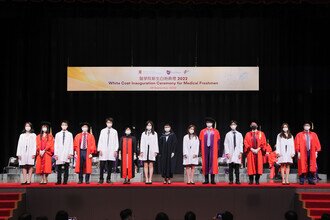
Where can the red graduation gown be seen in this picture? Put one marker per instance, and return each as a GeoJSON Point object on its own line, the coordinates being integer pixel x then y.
{"type": "Point", "coordinates": [127, 149]}
{"type": "Point", "coordinates": [91, 149]}
{"type": "Point", "coordinates": [254, 161]}
{"type": "Point", "coordinates": [214, 159]}
{"type": "Point", "coordinates": [300, 147]}
{"type": "Point", "coordinates": [44, 163]}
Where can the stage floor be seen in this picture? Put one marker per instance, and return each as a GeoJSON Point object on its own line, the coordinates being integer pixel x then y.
{"type": "Point", "coordinates": [104, 201]}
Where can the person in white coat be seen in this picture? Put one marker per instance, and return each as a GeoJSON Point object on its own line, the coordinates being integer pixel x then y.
{"type": "Point", "coordinates": [233, 151]}
{"type": "Point", "coordinates": [148, 150]}
{"type": "Point", "coordinates": [285, 151]}
{"type": "Point", "coordinates": [108, 149]}
{"type": "Point", "coordinates": [190, 153]}
{"type": "Point", "coordinates": [26, 152]}
{"type": "Point", "coordinates": [63, 152]}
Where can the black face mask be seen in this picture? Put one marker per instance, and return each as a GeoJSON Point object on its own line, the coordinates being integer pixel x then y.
{"type": "Point", "coordinates": [254, 127]}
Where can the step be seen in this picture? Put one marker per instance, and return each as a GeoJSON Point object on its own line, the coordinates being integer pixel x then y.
{"type": "Point", "coordinates": [7, 204]}
{"type": "Point", "coordinates": [318, 211]}
{"type": "Point", "coordinates": [5, 213]}
{"type": "Point", "coordinates": [316, 204]}
{"type": "Point", "coordinates": [10, 196]}
{"type": "Point", "coordinates": [314, 196]}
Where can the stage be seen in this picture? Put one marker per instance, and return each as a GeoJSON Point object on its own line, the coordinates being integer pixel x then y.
{"type": "Point", "coordinates": [94, 201]}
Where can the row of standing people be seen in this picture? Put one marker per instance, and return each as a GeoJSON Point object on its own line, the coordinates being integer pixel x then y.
{"type": "Point", "coordinates": [42, 148]}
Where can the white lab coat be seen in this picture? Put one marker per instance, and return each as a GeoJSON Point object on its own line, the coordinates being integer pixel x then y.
{"type": "Point", "coordinates": [229, 147]}
{"type": "Point", "coordinates": [108, 151]}
{"type": "Point", "coordinates": [63, 151]}
{"type": "Point", "coordinates": [190, 148]}
{"type": "Point", "coordinates": [26, 148]}
{"type": "Point", "coordinates": [151, 140]}
{"type": "Point", "coordinates": [285, 152]}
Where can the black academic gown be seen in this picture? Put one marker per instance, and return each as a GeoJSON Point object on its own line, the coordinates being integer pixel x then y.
{"type": "Point", "coordinates": [166, 148]}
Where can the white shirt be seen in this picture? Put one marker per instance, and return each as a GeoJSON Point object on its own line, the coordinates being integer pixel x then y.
{"type": "Point", "coordinates": [285, 148]}
{"type": "Point", "coordinates": [26, 148]}
{"type": "Point", "coordinates": [63, 150]}
{"type": "Point", "coordinates": [108, 144]}
{"type": "Point", "coordinates": [151, 140]}
{"type": "Point", "coordinates": [190, 148]}
{"type": "Point", "coordinates": [233, 153]}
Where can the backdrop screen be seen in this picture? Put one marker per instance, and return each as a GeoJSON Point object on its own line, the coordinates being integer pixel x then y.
{"type": "Point", "coordinates": [163, 78]}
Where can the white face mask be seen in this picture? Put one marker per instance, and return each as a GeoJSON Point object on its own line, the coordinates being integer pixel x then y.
{"type": "Point", "coordinates": [27, 128]}
{"type": "Point", "coordinates": [307, 127]}
{"type": "Point", "coordinates": [285, 129]}
{"type": "Point", "coordinates": [233, 127]}
{"type": "Point", "coordinates": [109, 124]}
{"type": "Point", "coordinates": [128, 132]}
{"type": "Point", "coordinates": [84, 129]}
{"type": "Point", "coordinates": [44, 129]}
{"type": "Point", "coordinates": [64, 127]}
{"type": "Point", "coordinates": [149, 127]}
{"type": "Point", "coordinates": [191, 131]}
{"type": "Point", "coordinates": [209, 124]}
{"type": "Point", "coordinates": [167, 129]}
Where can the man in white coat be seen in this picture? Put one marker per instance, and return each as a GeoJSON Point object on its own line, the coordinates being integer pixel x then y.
{"type": "Point", "coordinates": [233, 151]}
{"type": "Point", "coordinates": [108, 149]}
{"type": "Point", "coordinates": [63, 152]}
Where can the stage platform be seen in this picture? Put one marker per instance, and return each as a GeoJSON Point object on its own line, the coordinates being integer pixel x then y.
{"type": "Point", "coordinates": [267, 201]}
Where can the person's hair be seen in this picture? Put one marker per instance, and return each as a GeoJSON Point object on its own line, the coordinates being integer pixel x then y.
{"type": "Point", "coordinates": [109, 119]}
{"type": "Point", "coordinates": [65, 121]}
{"type": "Point", "coordinates": [291, 215]}
{"type": "Point", "coordinates": [28, 123]}
{"type": "Point", "coordinates": [152, 127]}
{"type": "Point", "coordinates": [161, 216]}
{"type": "Point", "coordinates": [47, 132]}
{"type": "Point", "coordinates": [282, 134]}
{"type": "Point", "coordinates": [233, 122]}
{"type": "Point", "coordinates": [61, 215]}
{"type": "Point", "coordinates": [227, 216]}
{"type": "Point", "coordinates": [42, 218]}
{"type": "Point", "coordinates": [125, 214]}
{"type": "Point", "coordinates": [192, 126]}
{"type": "Point", "coordinates": [25, 216]}
{"type": "Point", "coordinates": [325, 216]}
{"type": "Point", "coordinates": [190, 216]}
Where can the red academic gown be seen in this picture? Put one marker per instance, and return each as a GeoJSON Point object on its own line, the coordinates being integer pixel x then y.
{"type": "Point", "coordinates": [254, 161]}
{"type": "Point", "coordinates": [91, 149]}
{"type": "Point", "coordinates": [215, 137]}
{"type": "Point", "coordinates": [127, 149]}
{"type": "Point", "coordinates": [44, 163]}
{"type": "Point", "coordinates": [267, 149]}
{"type": "Point", "coordinates": [300, 147]}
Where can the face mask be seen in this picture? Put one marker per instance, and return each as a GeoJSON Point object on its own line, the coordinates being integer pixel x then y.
{"type": "Point", "coordinates": [148, 127]}
{"type": "Point", "coordinates": [191, 131]}
{"type": "Point", "coordinates": [128, 132]}
{"type": "Point", "coordinates": [209, 125]}
{"type": "Point", "coordinates": [167, 129]}
{"type": "Point", "coordinates": [44, 129]}
{"type": "Point", "coordinates": [307, 127]}
{"type": "Point", "coordinates": [84, 129]}
{"type": "Point", "coordinates": [233, 127]}
{"type": "Point", "coordinates": [64, 127]}
{"type": "Point", "coordinates": [285, 129]}
{"type": "Point", "coordinates": [27, 128]}
{"type": "Point", "coordinates": [109, 125]}
{"type": "Point", "coordinates": [254, 127]}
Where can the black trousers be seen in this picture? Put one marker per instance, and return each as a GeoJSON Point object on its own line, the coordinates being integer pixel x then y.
{"type": "Point", "coordinates": [62, 168]}
{"type": "Point", "coordinates": [257, 177]}
{"type": "Point", "coordinates": [82, 166]}
{"type": "Point", "coordinates": [106, 165]}
{"type": "Point", "coordinates": [234, 167]}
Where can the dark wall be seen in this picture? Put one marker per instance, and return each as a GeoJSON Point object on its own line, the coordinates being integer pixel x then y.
{"type": "Point", "coordinates": [290, 44]}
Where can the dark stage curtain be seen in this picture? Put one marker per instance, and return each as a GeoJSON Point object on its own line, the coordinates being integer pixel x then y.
{"type": "Point", "coordinates": [290, 43]}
